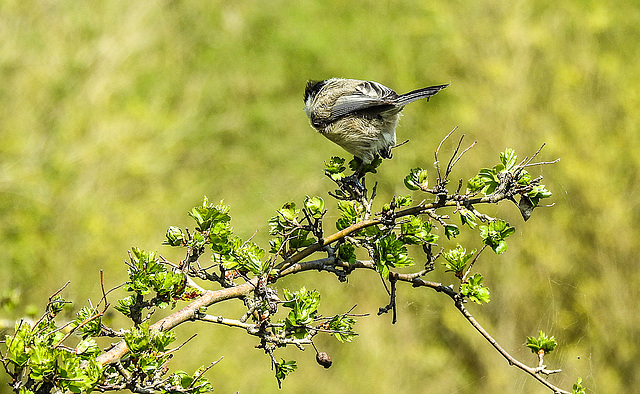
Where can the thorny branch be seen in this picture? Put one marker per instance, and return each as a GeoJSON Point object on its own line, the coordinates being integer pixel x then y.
{"type": "Point", "coordinates": [255, 290]}
{"type": "Point", "coordinates": [295, 263]}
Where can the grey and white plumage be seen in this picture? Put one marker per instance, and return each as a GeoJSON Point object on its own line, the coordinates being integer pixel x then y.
{"type": "Point", "coordinates": [360, 116]}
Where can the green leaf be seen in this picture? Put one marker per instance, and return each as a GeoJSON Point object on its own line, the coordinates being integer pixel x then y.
{"type": "Point", "coordinates": [42, 361]}
{"type": "Point", "coordinates": [88, 348]}
{"type": "Point", "coordinates": [578, 388]}
{"type": "Point", "coordinates": [149, 363]}
{"type": "Point", "coordinates": [474, 290]}
{"type": "Point", "coordinates": [489, 176]}
{"type": "Point", "coordinates": [500, 248]}
{"type": "Point", "coordinates": [382, 268]}
{"type": "Point", "coordinates": [418, 179]}
{"type": "Point", "coordinates": [91, 327]}
{"type": "Point", "coordinates": [17, 351]}
{"type": "Point", "coordinates": [168, 283]}
{"type": "Point", "coordinates": [315, 206]}
{"type": "Point", "coordinates": [335, 168]}
{"type": "Point", "coordinates": [304, 307]}
{"type": "Point", "coordinates": [456, 260]}
{"type": "Point", "coordinates": [219, 235]}
{"type": "Point", "coordinates": [175, 237]}
{"type": "Point", "coordinates": [138, 339]}
{"type": "Point", "coordinates": [284, 368]}
{"type": "Point", "coordinates": [523, 178]}
{"type": "Point", "coordinates": [299, 239]}
{"type": "Point", "coordinates": [347, 253]}
{"type": "Point", "coordinates": [124, 305]}
{"type": "Point", "coordinates": [288, 212]}
{"type": "Point", "coordinates": [494, 234]}
{"type": "Point", "coordinates": [351, 212]}
{"type": "Point", "coordinates": [403, 201]}
{"type": "Point", "coordinates": [188, 384]}
{"type": "Point", "coordinates": [416, 232]}
{"type": "Point", "coordinates": [537, 193]}
{"type": "Point", "coordinates": [475, 184]}
{"type": "Point", "coordinates": [77, 374]}
{"type": "Point", "coordinates": [391, 253]}
{"type": "Point", "coordinates": [543, 343]}
{"type": "Point", "coordinates": [451, 231]}
{"type": "Point", "coordinates": [508, 159]}
{"type": "Point", "coordinates": [467, 217]}
{"type": "Point", "coordinates": [371, 167]}
{"type": "Point", "coordinates": [343, 325]}
{"type": "Point", "coordinates": [207, 214]}
{"type": "Point", "coordinates": [161, 340]}
{"type": "Point", "coordinates": [275, 245]}
{"type": "Point", "coordinates": [285, 220]}
{"type": "Point", "coordinates": [142, 266]}
{"type": "Point", "coordinates": [248, 256]}
{"type": "Point", "coordinates": [197, 240]}
{"type": "Point", "coordinates": [56, 305]}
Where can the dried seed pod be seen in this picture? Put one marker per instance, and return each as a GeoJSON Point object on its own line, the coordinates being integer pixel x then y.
{"type": "Point", "coordinates": [323, 359]}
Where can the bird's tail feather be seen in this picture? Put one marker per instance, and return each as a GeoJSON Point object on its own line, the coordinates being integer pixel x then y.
{"type": "Point", "coordinates": [418, 94]}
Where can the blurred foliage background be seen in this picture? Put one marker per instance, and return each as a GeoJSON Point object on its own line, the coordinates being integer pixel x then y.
{"type": "Point", "coordinates": [116, 118]}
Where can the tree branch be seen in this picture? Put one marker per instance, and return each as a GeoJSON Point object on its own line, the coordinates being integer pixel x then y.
{"type": "Point", "coordinates": [451, 201]}
{"type": "Point", "coordinates": [512, 361]}
{"type": "Point", "coordinates": [187, 313]}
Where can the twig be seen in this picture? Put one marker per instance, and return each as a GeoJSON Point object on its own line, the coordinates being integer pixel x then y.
{"type": "Point", "coordinates": [392, 300]}
{"type": "Point", "coordinates": [227, 322]}
{"type": "Point", "coordinates": [526, 162]}
{"type": "Point", "coordinates": [175, 349]}
{"type": "Point", "coordinates": [83, 323]}
{"type": "Point", "coordinates": [512, 361]}
{"type": "Point", "coordinates": [59, 291]}
{"type": "Point", "coordinates": [437, 163]}
{"type": "Point", "coordinates": [541, 163]}
{"type": "Point", "coordinates": [463, 152]}
{"type": "Point", "coordinates": [453, 155]}
{"type": "Point", "coordinates": [104, 294]}
{"type": "Point", "coordinates": [48, 312]}
{"type": "Point", "coordinates": [464, 277]}
{"type": "Point", "coordinates": [199, 374]}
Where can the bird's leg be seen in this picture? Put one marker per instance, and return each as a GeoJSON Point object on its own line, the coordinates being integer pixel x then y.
{"type": "Point", "coordinates": [352, 182]}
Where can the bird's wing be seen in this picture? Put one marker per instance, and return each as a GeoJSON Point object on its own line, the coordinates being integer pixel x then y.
{"type": "Point", "coordinates": [366, 95]}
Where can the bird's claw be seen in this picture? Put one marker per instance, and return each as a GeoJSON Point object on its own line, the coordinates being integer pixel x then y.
{"type": "Point", "coordinates": [352, 185]}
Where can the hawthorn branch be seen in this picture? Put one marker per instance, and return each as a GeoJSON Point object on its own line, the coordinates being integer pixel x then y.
{"type": "Point", "coordinates": [187, 313]}
{"type": "Point", "coordinates": [326, 264]}
{"type": "Point", "coordinates": [293, 264]}
{"type": "Point", "coordinates": [450, 201]}
{"type": "Point", "coordinates": [417, 281]}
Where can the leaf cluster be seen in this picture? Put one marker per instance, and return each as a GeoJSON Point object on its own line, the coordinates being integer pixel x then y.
{"type": "Point", "coordinates": [542, 344]}
{"type": "Point", "coordinates": [296, 228]}
{"type": "Point", "coordinates": [148, 275]}
{"type": "Point", "coordinates": [36, 361]}
{"type": "Point", "coordinates": [512, 176]}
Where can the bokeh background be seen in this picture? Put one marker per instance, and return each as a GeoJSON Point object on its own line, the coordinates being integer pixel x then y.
{"type": "Point", "coordinates": [117, 117]}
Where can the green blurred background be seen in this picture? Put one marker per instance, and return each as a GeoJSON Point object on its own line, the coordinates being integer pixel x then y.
{"type": "Point", "coordinates": [117, 117]}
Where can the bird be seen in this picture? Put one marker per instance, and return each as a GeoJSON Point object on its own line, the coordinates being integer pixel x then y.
{"type": "Point", "coordinates": [360, 116]}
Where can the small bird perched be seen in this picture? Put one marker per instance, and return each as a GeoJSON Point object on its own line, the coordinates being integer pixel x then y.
{"type": "Point", "coordinates": [360, 116]}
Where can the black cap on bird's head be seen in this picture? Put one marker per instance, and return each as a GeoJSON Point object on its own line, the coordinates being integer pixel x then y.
{"type": "Point", "coordinates": [313, 87]}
